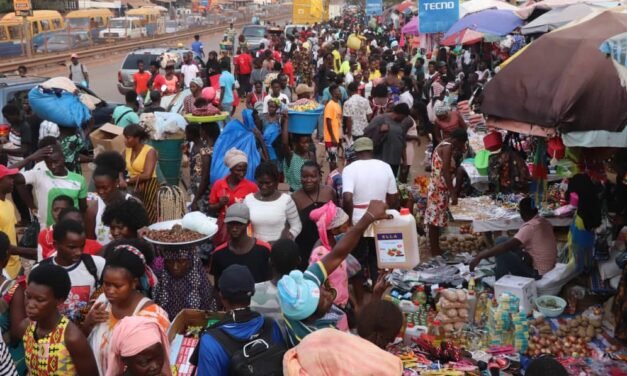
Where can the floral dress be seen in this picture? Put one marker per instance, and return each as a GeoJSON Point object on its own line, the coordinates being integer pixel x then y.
{"type": "Point", "coordinates": [436, 213]}
{"type": "Point", "coordinates": [195, 169]}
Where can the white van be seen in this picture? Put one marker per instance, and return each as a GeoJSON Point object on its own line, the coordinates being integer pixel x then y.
{"type": "Point", "coordinates": [123, 28]}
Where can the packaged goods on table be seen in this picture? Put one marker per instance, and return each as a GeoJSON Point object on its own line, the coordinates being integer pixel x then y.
{"type": "Point", "coordinates": [453, 309]}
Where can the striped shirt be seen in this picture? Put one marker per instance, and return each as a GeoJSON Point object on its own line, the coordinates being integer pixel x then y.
{"type": "Point", "coordinates": [7, 367]}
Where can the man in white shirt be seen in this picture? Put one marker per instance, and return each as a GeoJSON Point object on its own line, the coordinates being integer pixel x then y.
{"type": "Point", "coordinates": [189, 69]}
{"type": "Point", "coordinates": [84, 270]}
{"type": "Point", "coordinates": [364, 180]}
{"type": "Point", "coordinates": [78, 71]}
{"type": "Point", "coordinates": [356, 111]}
{"type": "Point", "coordinates": [275, 92]}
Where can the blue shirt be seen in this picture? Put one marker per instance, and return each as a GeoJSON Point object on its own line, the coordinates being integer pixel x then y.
{"type": "Point", "coordinates": [326, 95]}
{"type": "Point", "coordinates": [227, 80]}
{"type": "Point", "coordinates": [214, 361]}
{"type": "Point", "coordinates": [197, 47]}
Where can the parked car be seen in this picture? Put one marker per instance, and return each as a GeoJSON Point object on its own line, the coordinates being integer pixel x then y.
{"type": "Point", "coordinates": [254, 34]}
{"type": "Point", "coordinates": [147, 55]}
{"type": "Point", "coordinates": [65, 40]}
{"type": "Point", "coordinates": [13, 90]}
{"type": "Point", "coordinates": [123, 28]}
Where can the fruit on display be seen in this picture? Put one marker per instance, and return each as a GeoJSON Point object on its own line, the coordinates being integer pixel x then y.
{"type": "Point", "coordinates": [304, 105]}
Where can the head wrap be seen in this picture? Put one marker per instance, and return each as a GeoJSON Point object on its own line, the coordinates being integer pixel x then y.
{"type": "Point", "coordinates": [197, 81]}
{"type": "Point", "coordinates": [298, 297]}
{"type": "Point", "coordinates": [131, 336]}
{"type": "Point", "coordinates": [234, 157]}
{"type": "Point", "coordinates": [192, 290]}
{"type": "Point", "coordinates": [149, 279]}
{"type": "Point", "coordinates": [328, 217]}
{"type": "Point", "coordinates": [441, 109]}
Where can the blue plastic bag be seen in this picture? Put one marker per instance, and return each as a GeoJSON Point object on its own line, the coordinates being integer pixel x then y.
{"type": "Point", "coordinates": [58, 106]}
{"type": "Point", "coordinates": [239, 136]}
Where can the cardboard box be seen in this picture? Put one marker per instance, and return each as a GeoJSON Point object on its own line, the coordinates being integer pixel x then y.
{"type": "Point", "coordinates": [182, 348]}
{"type": "Point", "coordinates": [523, 288]}
{"type": "Point", "coordinates": [108, 137]}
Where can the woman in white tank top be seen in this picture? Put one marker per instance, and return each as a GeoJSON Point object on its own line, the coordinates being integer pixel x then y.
{"type": "Point", "coordinates": [110, 167]}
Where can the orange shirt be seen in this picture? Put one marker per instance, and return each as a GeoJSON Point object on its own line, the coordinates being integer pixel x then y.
{"type": "Point", "coordinates": [333, 111]}
{"type": "Point", "coordinates": [141, 82]}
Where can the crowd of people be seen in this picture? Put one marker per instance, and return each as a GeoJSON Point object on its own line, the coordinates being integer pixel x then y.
{"type": "Point", "coordinates": [89, 296]}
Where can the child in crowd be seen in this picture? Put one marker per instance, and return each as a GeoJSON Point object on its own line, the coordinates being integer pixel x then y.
{"type": "Point", "coordinates": [62, 208]}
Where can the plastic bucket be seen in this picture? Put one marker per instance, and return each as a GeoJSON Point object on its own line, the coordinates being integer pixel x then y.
{"type": "Point", "coordinates": [482, 160]}
{"type": "Point", "coordinates": [304, 122]}
{"type": "Point", "coordinates": [170, 156]}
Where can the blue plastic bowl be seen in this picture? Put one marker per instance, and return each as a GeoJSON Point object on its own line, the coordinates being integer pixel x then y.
{"type": "Point", "coordinates": [304, 122]}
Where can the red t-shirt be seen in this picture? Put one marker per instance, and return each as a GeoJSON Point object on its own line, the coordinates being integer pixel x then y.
{"type": "Point", "coordinates": [141, 82]}
{"type": "Point", "coordinates": [158, 82]}
{"type": "Point", "coordinates": [245, 63]}
{"type": "Point", "coordinates": [221, 188]}
{"type": "Point", "coordinates": [45, 241]}
{"type": "Point", "coordinates": [288, 69]}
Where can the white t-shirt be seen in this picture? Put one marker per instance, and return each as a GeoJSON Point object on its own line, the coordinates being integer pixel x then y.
{"type": "Point", "coordinates": [282, 97]}
{"type": "Point", "coordinates": [78, 72]}
{"type": "Point", "coordinates": [190, 71]}
{"type": "Point", "coordinates": [83, 285]}
{"type": "Point", "coordinates": [407, 98]}
{"type": "Point", "coordinates": [46, 187]}
{"type": "Point", "coordinates": [367, 180]}
{"type": "Point", "coordinates": [268, 218]}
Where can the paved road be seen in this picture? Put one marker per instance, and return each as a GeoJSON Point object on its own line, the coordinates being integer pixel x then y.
{"type": "Point", "coordinates": [103, 71]}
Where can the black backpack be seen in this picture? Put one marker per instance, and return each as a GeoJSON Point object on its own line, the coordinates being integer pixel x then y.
{"type": "Point", "coordinates": [89, 264]}
{"type": "Point", "coordinates": [257, 355]}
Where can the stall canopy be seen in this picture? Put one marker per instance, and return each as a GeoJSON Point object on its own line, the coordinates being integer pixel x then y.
{"type": "Point", "coordinates": [559, 17]}
{"type": "Point", "coordinates": [411, 28]}
{"type": "Point", "coordinates": [525, 11]}
{"type": "Point", "coordinates": [562, 81]}
{"type": "Point", "coordinates": [490, 21]}
{"type": "Point", "coordinates": [464, 37]}
{"type": "Point", "coordinates": [474, 6]}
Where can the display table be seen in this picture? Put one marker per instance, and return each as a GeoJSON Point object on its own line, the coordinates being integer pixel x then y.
{"type": "Point", "coordinates": [486, 215]}
{"type": "Point", "coordinates": [481, 182]}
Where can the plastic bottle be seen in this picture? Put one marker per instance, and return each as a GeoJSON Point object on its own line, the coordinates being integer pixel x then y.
{"type": "Point", "coordinates": [472, 306]}
{"type": "Point", "coordinates": [396, 240]}
{"type": "Point", "coordinates": [422, 296]}
{"type": "Point", "coordinates": [437, 332]}
{"type": "Point", "coordinates": [472, 299]}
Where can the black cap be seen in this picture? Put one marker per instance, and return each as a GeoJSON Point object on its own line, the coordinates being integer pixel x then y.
{"type": "Point", "coordinates": [235, 281]}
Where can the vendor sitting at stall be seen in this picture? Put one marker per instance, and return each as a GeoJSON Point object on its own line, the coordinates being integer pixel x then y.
{"type": "Point", "coordinates": [531, 253]}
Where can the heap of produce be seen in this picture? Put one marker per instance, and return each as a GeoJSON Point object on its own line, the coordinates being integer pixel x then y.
{"type": "Point", "coordinates": [304, 105]}
{"type": "Point", "coordinates": [177, 234]}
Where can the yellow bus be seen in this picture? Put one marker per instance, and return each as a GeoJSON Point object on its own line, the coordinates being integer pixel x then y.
{"type": "Point", "coordinates": [92, 20]}
{"type": "Point", "coordinates": [42, 24]}
{"type": "Point", "coordinates": [152, 18]}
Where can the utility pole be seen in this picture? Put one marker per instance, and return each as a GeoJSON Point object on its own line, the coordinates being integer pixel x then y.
{"type": "Point", "coordinates": [28, 38]}
{"type": "Point", "coordinates": [24, 9]}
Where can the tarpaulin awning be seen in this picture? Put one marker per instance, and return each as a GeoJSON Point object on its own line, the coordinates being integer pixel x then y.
{"type": "Point", "coordinates": [474, 6]}
{"type": "Point", "coordinates": [559, 17]}
{"type": "Point", "coordinates": [464, 37]}
{"type": "Point", "coordinates": [411, 28]}
{"type": "Point", "coordinates": [562, 81]}
{"type": "Point", "coordinates": [490, 21]}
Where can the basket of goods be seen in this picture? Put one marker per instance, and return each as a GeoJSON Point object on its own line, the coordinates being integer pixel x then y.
{"type": "Point", "coordinates": [303, 116]}
{"type": "Point", "coordinates": [194, 228]}
{"type": "Point", "coordinates": [208, 118]}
